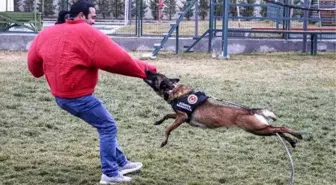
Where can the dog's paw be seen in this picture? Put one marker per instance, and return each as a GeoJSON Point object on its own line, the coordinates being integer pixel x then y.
{"type": "Point", "coordinates": [293, 143]}
{"type": "Point", "coordinates": [163, 144]}
{"type": "Point", "coordinates": [298, 135]}
{"type": "Point", "coordinates": [157, 123]}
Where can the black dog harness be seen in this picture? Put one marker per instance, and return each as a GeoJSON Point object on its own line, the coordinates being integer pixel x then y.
{"type": "Point", "coordinates": [189, 103]}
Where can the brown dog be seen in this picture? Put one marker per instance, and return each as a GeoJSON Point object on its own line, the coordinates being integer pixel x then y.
{"type": "Point", "coordinates": [195, 108]}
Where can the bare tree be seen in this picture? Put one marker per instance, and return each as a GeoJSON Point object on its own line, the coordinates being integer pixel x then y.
{"type": "Point", "coordinates": [170, 8]}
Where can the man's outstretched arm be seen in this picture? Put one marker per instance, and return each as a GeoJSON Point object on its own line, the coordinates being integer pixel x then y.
{"type": "Point", "coordinates": [109, 56]}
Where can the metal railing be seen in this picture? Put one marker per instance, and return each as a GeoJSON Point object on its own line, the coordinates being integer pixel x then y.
{"type": "Point", "coordinates": [149, 18]}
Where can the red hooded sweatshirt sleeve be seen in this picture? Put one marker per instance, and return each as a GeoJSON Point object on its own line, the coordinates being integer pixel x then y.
{"type": "Point", "coordinates": [110, 57]}
{"type": "Point", "coordinates": [71, 54]}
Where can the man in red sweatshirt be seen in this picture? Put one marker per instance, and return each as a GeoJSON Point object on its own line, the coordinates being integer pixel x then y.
{"type": "Point", "coordinates": [70, 55]}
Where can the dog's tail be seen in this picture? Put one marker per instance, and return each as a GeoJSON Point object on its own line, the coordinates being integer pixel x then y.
{"type": "Point", "coordinates": [266, 113]}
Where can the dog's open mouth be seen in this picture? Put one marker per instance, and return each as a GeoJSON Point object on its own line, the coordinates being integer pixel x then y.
{"type": "Point", "coordinates": [161, 84]}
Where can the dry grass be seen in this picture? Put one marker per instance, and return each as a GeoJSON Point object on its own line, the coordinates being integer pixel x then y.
{"type": "Point", "coordinates": [41, 144]}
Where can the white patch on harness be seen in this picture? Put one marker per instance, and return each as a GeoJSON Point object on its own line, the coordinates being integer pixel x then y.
{"type": "Point", "coordinates": [261, 119]}
{"type": "Point", "coordinates": [192, 99]}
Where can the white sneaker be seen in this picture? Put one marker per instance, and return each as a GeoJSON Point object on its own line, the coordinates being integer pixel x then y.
{"type": "Point", "coordinates": [114, 180]}
{"type": "Point", "coordinates": [130, 167]}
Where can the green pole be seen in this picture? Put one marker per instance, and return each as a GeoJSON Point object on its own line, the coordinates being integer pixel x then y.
{"type": "Point", "coordinates": [42, 11]}
{"type": "Point", "coordinates": [137, 18]}
{"type": "Point", "coordinates": [141, 18]}
{"type": "Point", "coordinates": [211, 25]}
{"type": "Point", "coordinates": [305, 27]}
{"type": "Point", "coordinates": [196, 19]}
{"type": "Point", "coordinates": [225, 28]}
{"type": "Point", "coordinates": [35, 14]}
{"type": "Point", "coordinates": [64, 4]}
{"type": "Point", "coordinates": [177, 40]}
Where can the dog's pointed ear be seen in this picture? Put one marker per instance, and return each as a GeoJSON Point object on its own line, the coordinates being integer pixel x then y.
{"type": "Point", "coordinates": [174, 80]}
{"type": "Point", "coordinates": [149, 77]}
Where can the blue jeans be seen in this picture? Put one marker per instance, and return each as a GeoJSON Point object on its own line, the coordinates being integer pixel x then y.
{"type": "Point", "coordinates": [91, 109]}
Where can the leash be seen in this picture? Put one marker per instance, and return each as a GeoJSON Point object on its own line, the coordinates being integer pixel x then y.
{"type": "Point", "coordinates": [291, 179]}
{"type": "Point", "coordinates": [229, 103]}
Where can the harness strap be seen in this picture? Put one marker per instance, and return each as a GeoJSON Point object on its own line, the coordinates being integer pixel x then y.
{"type": "Point", "coordinates": [189, 102]}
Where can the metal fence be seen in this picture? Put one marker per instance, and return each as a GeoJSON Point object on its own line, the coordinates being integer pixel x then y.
{"type": "Point", "coordinates": [153, 17]}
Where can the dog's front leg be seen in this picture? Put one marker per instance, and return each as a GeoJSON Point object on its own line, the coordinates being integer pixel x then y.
{"type": "Point", "coordinates": [168, 116]}
{"type": "Point", "coordinates": [180, 118]}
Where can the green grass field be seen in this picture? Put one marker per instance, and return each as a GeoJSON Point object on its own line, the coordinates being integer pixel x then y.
{"type": "Point", "coordinates": [42, 144]}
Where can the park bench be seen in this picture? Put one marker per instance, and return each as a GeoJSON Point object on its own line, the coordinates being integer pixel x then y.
{"type": "Point", "coordinates": [313, 32]}
{"type": "Point", "coordinates": [29, 20]}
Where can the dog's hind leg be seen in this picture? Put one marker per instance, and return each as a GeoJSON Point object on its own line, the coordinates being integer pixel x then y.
{"type": "Point", "coordinates": [168, 116]}
{"type": "Point", "coordinates": [271, 130]}
{"type": "Point", "coordinates": [258, 125]}
{"type": "Point", "coordinates": [180, 118]}
{"type": "Point", "coordinates": [291, 141]}
{"type": "Point", "coordinates": [284, 130]}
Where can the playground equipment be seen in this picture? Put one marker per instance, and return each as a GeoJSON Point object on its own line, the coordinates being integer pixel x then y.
{"type": "Point", "coordinates": [173, 27]}
{"type": "Point", "coordinates": [9, 18]}
{"type": "Point", "coordinates": [210, 32]}
{"type": "Point", "coordinates": [328, 13]}
{"type": "Point", "coordinates": [12, 19]}
{"type": "Point", "coordinates": [280, 17]}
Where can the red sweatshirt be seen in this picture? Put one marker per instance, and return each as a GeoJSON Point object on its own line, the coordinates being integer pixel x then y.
{"type": "Point", "coordinates": [70, 55]}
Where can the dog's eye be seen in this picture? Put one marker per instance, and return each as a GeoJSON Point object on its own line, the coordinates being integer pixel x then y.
{"type": "Point", "coordinates": [163, 86]}
{"type": "Point", "coordinates": [166, 96]}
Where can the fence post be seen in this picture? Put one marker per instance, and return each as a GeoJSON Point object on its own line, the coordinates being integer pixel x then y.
{"type": "Point", "coordinates": [42, 11]}
{"type": "Point", "coordinates": [126, 10]}
{"type": "Point", "coordinates": [137, 18]}
{"type": "Point", "coordinates": [141, 18]}
{"type": "Point", "coordinates": [285, 21]}
{"type": "Point", "coordinates": [196, 19]}
{"type": "Point", "coordinates": [305, 26]}
{"type": "Point", "coordinates": [225, 27]}
{"type": "Point", "coordinates": [211, 17]}
{"type": "Point", "coordinates": [177, 40]}
{"type": "Point", "coordinates": [64, 4]}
